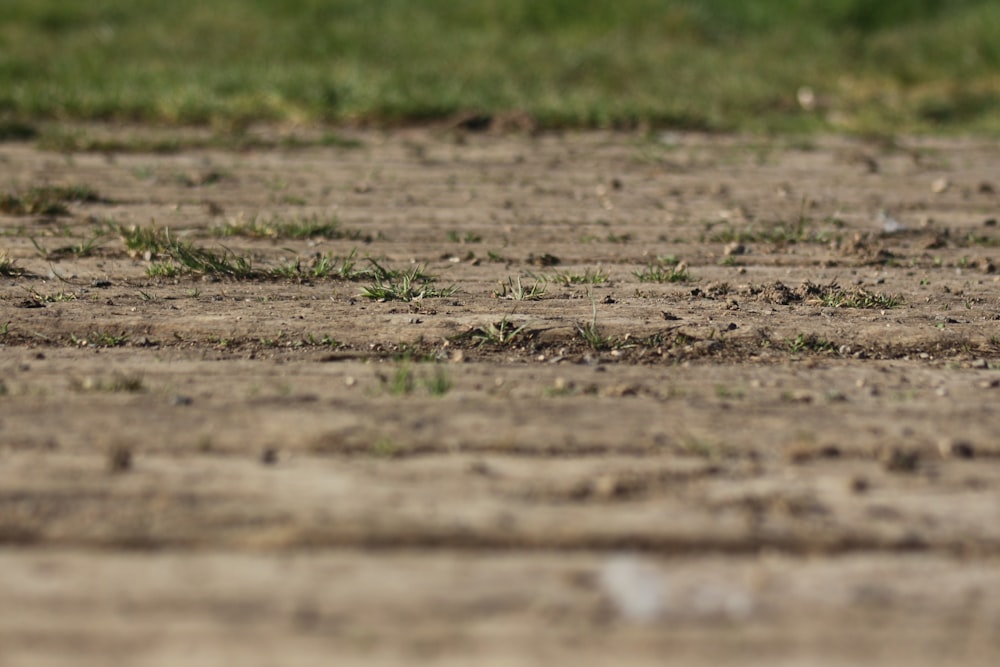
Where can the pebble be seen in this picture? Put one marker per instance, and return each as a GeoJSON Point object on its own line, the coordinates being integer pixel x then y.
{"type": "Point", "coordinates": [956, 448]}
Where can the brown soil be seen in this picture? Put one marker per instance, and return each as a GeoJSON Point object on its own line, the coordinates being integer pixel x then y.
{"type": "Point", "coordinates": [789, 458]}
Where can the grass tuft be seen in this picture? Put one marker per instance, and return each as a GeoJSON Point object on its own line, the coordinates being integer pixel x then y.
{"type": "Point", "coordinates": [410, 285]}
{"type": "Point", "coordinates": [278, 227]}
{"type": "Point", "coordinates": [588, 277]}
{"type": "Point", "coordinates": [513, 289]}
{"type": "Point", "coordinates": [46, 201]}
{"type": "Point", "coordinates": [500, 334]}
{"type": "Point", "coordinates": [664, 270]}
{"type": "Point", "coordinates": [859, 297]}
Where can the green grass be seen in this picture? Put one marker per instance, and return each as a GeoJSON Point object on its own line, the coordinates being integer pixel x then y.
{"type": "Point", "coordinates": [73, 140]}
{"type": "Point", "coordinates": [592, 335]}
{"type": "Point", "coordinates": [46, 200]}
{"type": "Point", "coordinates": [859, 297]}
{"type": "Point", "coordinates": [404, 381]}
{"type": "Point", "coordinates": [809, 343]}
{"type": "Point", "coordinates": [588, 277]}
{"type": "Point", "coordinates": [896, 65]}
{"type": "Point", "coordinates": [100, 339]}
{"type": "Point", "coordinates": [513, 289]}
{"type": "Point", "coordinates": [170, 257]}
{"type": "Point", "coordinates": [279, 227]}
{"type": "Point", "coordinates": [779, 233]}
{"type": "Point", "coordinates": [410, 285]}
{"type": "Point", "coordinates": [664, 270]}
{"type": "Point", "coordinates": [500, 334]}
{"type": "Point", "coordinates": [327, 266]}
{"type": "Point", "coordinates": [86, 247]}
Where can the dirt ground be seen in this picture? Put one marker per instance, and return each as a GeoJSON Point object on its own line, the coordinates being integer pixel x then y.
{"type": "Point", "coordinates": [786, 456]}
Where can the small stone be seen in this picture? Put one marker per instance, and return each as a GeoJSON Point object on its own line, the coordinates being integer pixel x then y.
{"type": "Point", "coordinates": [605, 487]}
{"type": "Point", "coordinates": [940, 185]}
{"type": "Point", "coordinates": [734, 249]}
{"type": "Point", "coordinates": [119, 459]}
{"type": "Point", "coordinates": [481, 468]}
{"type": "Point", "coordinates": [959, 449]}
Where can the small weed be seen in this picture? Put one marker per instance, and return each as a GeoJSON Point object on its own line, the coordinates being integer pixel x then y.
{"type": "Point", "coordinates": [402, 383]}
{"type": "Point", "coordinates": [48, 201]}
{"type": "Point", "coordinates": [439, 383]}
{"type": "Point", "coordinates": [272, 342]}
{"type": "Point", "coordinates": [780, 233]}
{"type": "Point", "coordinates": [724, 392]}
{"type": "Point", "coordinates": [163, 270]}
{"type": "Point", "coordinates": [409, 352]}
{"type": "Point", "coordinates": [385, 448]}
{"type": "Point", "coordinates": [295, 228]}
{"type": "Point", "coordinates": [588, 277]}
{"type": "Point", "coordinates": [618, 238]}
{"type": "Point", "coordinates": [325, 341]}
{"type": "Point", "coordinates": [973, 239]}
{"type": "Point", "coordinates": [513, 289]}
{"type": "Point", "coordinates": [700, 447]}
{"type": "Point", "coordinates": [9, 267]}
{"type": "Point", "coordinates": [57, 297]}
{"type": "Point", "coordinates": [145, 242]}
{"type": "Point", "coordinates": [501, 334]}
{"type": "Point", "coordinates": [409, 285]}
{"type": "Point", "coordinates": [665, 270]}
{"type": "Point", "coordinates": [859, 297]}
{"type": "Point", "coordinates": [809, 343]}
{"type": "Point", "coordinates": [591, 333]}
{"type": "Point", "coordinates": [561, 387]}
{"type": "Point", "coordinates": [100, 339]}
{"type": "Point", "coordinates": [116, 383]}
{"type": "Point", "coordinates": [4, 329]}
{"type": "Point", "coordinates": [85, 248]}
{"type": "Point", "coordinates": [468, 237]}
{"type": "Point", "coordinates": [185, 257]}
{"type": "Point", "coordinates": [198, 260]}
{"type": "Point", "coordinates": [326, 266]}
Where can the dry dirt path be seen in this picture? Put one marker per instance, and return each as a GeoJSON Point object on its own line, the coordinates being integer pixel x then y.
{"type": "Point", "coordinates": [750, 417]}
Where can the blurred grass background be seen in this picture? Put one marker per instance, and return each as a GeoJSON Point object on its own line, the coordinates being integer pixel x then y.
{"type": "Point", "coordinates": [721, 65]}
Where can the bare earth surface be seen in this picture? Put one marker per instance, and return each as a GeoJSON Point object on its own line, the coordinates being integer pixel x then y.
{"type": "Point", "coordinates": [789, 458]}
